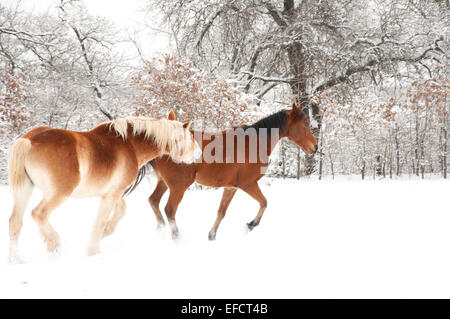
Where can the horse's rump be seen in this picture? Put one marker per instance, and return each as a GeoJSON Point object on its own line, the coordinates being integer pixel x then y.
{"type": "Point", "coordinates": [53, 160]}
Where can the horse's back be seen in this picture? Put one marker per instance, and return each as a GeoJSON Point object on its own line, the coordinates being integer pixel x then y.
{"type": "Point", "coordinates": [36, 131]}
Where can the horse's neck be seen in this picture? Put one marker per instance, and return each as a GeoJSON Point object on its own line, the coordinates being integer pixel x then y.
{"type": "Point", "coordinates": [145, 149]}
{"type": "Point", "coordinates": [272, 142]}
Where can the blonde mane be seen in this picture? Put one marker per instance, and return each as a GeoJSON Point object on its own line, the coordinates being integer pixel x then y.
{"type": "Point", "coordinates": [165, 133]}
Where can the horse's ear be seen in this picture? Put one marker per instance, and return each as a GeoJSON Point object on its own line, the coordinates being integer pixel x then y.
{"type": "Point", "coordinates": [187, 125]}
{"type": "Point", "coordinates": [296, 108]}
{"type": "Point", "coordinates": [171, 116]}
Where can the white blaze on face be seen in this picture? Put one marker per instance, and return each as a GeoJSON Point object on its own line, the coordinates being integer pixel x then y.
{"type": "Point", "coordinates": [186, 149]}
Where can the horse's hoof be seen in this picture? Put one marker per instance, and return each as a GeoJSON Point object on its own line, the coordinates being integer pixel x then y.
{"type": "Point", "coordinates": [251, 225]}
{"type": "Point", "coordinates": [15, 259]}
{"type": "Point", "coordinates": [55, 253]}
{"type": "Point", "coordinates": [92, 251]}
{"type": "Point", "coordinates": [212, 236]}
{"type": "Point", "coordinates": [14, 256]}
{"type": "Point", "coordinates": [108, 231]}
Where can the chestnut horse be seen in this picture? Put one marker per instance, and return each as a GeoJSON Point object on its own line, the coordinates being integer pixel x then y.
{"type": "Point", "coordinates": [292, 124]}
{"type": "Point", "coordinates": [101, 162]}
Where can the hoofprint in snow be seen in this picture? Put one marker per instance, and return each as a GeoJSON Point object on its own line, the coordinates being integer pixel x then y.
{"type": "Point", "coordinates": [317, 239]}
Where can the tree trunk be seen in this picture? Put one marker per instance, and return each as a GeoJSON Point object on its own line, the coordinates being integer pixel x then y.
{"type": "Point", "coordinates": [363, 166]}
{"type": "Point", "coordinates": [283, 159]}
{"type": "Point", "coordinates": [321, 155]}
{"type": "Point", "coordinates": [363, 169]}
{"type": "Point", "coordinates": [444, 151]}
{"type": "Point", "coordinates": [422, 159]}
{"type": "Point", "coordinates": [316, 132]}
{"type": "Point", "coordinates": [397, 150]}
{"type": "Point", "coordinates": [416, 151]}
{"type": "Point", "coordinates": [296, 59]}
{"type": "Point", "coordinates": [378, 168]}
{"type": "Point", "coordinates": [332, 167]}
{"type": "Point", "coordinates": [390, 161]}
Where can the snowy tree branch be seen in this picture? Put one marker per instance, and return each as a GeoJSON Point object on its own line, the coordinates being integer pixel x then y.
{"type": "Point", "coordinates": [26, 36]}
{"type": "Point", "coordinates": [269, 79]}
{"type": "Point", "coordinates": [369, 65]}
{"type": "Point", "coordinates": [208, 25]}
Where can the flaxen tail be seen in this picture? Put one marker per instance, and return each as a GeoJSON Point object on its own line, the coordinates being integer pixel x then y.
{"type": "Point", "coordinates": [16, 163]}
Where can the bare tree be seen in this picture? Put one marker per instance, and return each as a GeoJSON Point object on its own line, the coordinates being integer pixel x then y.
{"type": "Point", "coordinates": [309, 46]}
{"type": "Point", "coordinates": [95, 38]}
{"type": "Point", "coordinates": [70, 65]}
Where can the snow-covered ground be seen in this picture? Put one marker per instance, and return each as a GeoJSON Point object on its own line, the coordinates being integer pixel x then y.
{"type": "Point", "coordinates": [318, 239]}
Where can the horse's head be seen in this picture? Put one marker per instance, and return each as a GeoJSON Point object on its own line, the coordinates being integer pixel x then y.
{"type": "Point", "coordinates": [299, 131]}
{"type": "Point", "coordinates": [187, 150]}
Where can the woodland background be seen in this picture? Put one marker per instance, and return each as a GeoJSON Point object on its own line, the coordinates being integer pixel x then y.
{"type": "Point", "coordinates": [374, 75]}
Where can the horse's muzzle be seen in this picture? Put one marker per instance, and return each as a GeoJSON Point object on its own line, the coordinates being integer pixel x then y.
{"type": "Point", "coordinates": [313, 150]}
{"type": "Point", "coordinates": [316, 151]}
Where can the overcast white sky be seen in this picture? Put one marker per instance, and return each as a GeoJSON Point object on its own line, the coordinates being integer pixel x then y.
{"type": "Point", "coordinates": [127, 14]}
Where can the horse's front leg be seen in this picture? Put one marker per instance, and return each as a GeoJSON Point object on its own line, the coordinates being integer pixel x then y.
{"type": "Point", "coordinates": [107, 203]}
{"type": "Point", "coordinates": [155, 199]}
{"type": "Point", "coordinates": [254, 191]}
{"type": "Point", "coordinates": [119, 212]}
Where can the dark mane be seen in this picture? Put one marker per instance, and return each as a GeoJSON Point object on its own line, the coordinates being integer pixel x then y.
{"type": "Point", "coordinates": [276, 120]}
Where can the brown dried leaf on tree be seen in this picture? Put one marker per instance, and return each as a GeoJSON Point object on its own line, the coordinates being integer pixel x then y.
{"type": "Point", "coordinates": [170, 82]}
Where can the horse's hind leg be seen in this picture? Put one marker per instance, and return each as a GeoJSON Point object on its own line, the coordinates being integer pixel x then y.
{"type": "Point", "coordinates": [107, 204]}
{"type": "Point", "coordinates": [255, 192]}
{"type": "Point", "coordinates": [155, 199]}
{"type": "Point", "coordinates": [119, 212]}
{"type": "Point", "coordinates": [176, 195]}
{"type": "Point", "coordinates": [21, 199]}
{"type": "Point", "coordinates": [41, 215]}
{"type": "Point", "coordinates": [227, 196]}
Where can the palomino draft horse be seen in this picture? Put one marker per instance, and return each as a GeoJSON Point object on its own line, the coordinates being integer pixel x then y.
{"type": "Point", "coordinates": [292, 124]}
{"type": "Point", "coordinates": [101, 162]}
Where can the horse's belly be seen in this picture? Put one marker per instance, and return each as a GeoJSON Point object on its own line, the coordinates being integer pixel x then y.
{"type": "Point", "coordinates": [91, 187]}
{"type": "Point", "coordinates": [86, 190]}
{"type": "Point", "coordinates": [213, 177]}
{"type": "Point", "coordinates": [99, 180]}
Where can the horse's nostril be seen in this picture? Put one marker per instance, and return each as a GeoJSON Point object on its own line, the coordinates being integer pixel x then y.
{"type": "Point", "coordinates": [316, 148]}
